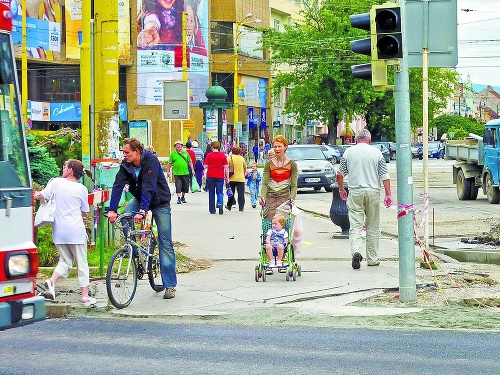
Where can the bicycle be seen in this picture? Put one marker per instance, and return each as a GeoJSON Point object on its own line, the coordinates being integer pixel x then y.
{"type": "Point", "coordinates": [126, 266]}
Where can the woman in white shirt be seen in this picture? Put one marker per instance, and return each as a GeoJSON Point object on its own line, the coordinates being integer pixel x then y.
{"type": "Point", "coordinates": [68, 231]}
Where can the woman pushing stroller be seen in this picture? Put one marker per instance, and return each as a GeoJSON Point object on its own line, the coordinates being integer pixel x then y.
{"type": "Point", "coordinates": [279, 182]}
{"type": "Point", "coordinates": [279, 179]}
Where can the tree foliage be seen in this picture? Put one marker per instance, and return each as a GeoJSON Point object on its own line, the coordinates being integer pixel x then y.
{"type": "Point", "coordinates": [63, 144]}
{"type": "Point", "coordinates": [321, 84]}
{"type": "Point", "coordinates": [317, 48]}
{"type": "Point", "coordinates": [460, 126]}
{"type": "Point", "coordinates": [43, 166]}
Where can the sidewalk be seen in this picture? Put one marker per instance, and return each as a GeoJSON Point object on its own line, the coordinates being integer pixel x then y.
{"type": "Point", "coordinates": [231, 241]}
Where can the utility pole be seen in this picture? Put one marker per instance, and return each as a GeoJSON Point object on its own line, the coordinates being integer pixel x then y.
{"type": "Point", "coordinates": [407, 273]}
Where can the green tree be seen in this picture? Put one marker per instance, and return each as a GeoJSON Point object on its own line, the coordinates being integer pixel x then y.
{"type": "Point", "coordinates": [43, 166]}
{"type": "Point", "coordinates": [63, 144]}
{"type": "Point", "coordinates": [453, 123]}
{"type": "Point", "coordinates": [322, 87]}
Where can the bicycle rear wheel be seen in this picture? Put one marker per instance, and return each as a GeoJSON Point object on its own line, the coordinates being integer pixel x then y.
{"type": "Point", "coordinates": [154, 274]}
{"type": "Point", "coordinates": [121, 278]}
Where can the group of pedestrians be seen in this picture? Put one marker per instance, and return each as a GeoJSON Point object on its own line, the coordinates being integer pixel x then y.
{"type": "Point", "coordinates": [142, 172]}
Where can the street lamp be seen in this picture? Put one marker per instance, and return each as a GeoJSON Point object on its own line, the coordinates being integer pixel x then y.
{"type": "Point", "coordinates": [244, 21]}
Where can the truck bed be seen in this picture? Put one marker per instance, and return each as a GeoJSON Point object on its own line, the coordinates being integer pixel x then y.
{"type": "Point", "coordinates": [467, 151]}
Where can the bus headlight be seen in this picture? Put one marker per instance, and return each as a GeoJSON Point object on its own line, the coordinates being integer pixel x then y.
{"type": "Point", "coordinates": [18, 265]}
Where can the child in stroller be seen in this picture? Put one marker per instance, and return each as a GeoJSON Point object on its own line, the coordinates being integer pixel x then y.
{"type": "Point", "coordinates": [276, 241]}
{"type": "Point", "coordinates": [277, 249]}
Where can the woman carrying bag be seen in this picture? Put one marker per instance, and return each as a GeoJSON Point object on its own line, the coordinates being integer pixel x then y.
{"type": "Point", "coordinates": [237, 180]}
{"type": "Point", "coordinates": [68, 231]}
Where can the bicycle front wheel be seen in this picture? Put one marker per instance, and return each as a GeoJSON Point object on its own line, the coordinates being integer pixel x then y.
{"type": "Point", "coordinates": [121, 278]}
{"type": "Point", "coordinates": [154, 274]}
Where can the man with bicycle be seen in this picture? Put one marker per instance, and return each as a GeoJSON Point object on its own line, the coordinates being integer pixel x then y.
{"type": "Point", "coordinates": [142, 171]}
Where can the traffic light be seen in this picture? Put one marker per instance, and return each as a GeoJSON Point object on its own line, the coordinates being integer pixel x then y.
{"type": "Point", "coordinates": [386, 26]}
{"type": "Point", "coordinates": [384, 45]}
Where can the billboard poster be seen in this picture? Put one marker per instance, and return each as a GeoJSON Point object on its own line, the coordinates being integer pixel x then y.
{"type": "Point", "coordinates": [73, 23]}
{"type": "Point", "coordinates": [43, 26]}
{"type": "Point", "coordinates": [159, 46]}
{"type": "Point", "coordinates": [212, 124]}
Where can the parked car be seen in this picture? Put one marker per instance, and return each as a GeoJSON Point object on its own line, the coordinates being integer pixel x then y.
{"type": "Point", "coordinates": [385, 152]}
{"type": "Point", "coordinates": [340, 148]}
{"type": "Point", "coordinates": [435, 148]}
{"type": "Point", "coordinates": [314, 169]}
{"type": "Point", "coordinates": [391, 146]}
{"type": "Point", "coordinates": [331, 153]}
{"type": "Point", "coordinates": [414, 150]}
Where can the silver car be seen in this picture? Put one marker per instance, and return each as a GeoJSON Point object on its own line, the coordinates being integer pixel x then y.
{"type": "Point", "coordinates": [315, 171]}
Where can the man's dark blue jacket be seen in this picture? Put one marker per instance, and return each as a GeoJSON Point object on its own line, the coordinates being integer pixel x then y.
{"type": "Point", "coordinates": [150, 188]}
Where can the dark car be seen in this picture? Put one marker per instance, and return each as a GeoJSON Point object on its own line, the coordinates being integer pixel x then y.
{"type": "Point", "coordinates": [391, 146]}
{"type": "Point", "coordinates": [315, 171]}
{"type": "Point", "coordinates": [385, 152]}
{"type": "Point", "coordinates": [436, 150]}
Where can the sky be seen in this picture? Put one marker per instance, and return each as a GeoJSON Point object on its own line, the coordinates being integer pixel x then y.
{"type": "Point", "coordinates": [479, 41]}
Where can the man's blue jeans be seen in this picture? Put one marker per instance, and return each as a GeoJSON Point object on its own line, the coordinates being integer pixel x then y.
{"type": "Point", "coordinates": [215, 186]}
{"type": "Point", "coordinates": [163, 220]}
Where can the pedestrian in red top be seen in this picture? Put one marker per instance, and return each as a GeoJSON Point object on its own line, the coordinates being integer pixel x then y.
{"type": "Point", "coordinates": [217, 174]}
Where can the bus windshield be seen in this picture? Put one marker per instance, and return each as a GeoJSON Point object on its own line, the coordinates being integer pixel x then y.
{"type": "Point", "coordinates": [13, 156]}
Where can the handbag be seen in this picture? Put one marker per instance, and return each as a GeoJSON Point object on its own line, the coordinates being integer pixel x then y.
{"type": "Point", "coordinates": [231, 167]}
{"type": "Point", "coordinates": [46, 212]}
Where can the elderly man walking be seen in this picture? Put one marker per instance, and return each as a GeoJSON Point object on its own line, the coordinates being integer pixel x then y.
{"type": "Point", "coordinates": [365, 167]}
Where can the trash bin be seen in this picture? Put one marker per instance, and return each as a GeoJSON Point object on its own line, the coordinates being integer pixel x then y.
{"type": "Point", "coordinates": [339, 214]}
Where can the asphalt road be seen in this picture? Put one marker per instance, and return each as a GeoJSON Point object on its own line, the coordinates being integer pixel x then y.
{"type": "Point", "coordinates": [449, 218]}
{"type": "Point", "coordinates": [84, 346]}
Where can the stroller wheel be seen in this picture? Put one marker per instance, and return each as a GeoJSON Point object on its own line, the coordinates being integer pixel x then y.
{"type": "Point", "coordinates": [299, 270]}
{"type": "Point", "coordinates": [257, 277]}
{"type": "Point", "coordinates": [294, 274]}
{"type": "Point", "coordinates": [264, 275]}
{"type": "Point", "coordinates": [287, 276]}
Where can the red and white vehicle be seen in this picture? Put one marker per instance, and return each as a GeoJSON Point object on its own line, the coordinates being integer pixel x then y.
{"type": "Point", "coordinates": [19, 304]}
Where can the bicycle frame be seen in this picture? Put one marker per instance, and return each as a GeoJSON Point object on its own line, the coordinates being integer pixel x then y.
{"type": "Point", "coordinates": [131, 261]}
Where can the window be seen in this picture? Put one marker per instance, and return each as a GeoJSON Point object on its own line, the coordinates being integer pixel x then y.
{"type": "Point", "coordinates": [221, 37]}
{"type": "Point", "coordinates": [277, 99]}
{"type": "Point", "coordinates": [276, 24]}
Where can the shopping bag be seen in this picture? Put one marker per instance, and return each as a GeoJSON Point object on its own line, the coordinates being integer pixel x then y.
{"type": "Point", "coordinates": [195, 188]}
{"type": "Point", "coordinates": [45, 213]}
{"type": "Point", "coordinates": [297, 229]}
{"type": "Point", "coordinates": [229, 191]}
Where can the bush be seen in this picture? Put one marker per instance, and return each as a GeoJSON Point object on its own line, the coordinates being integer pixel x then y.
{"type": "Point", "coordinates": [43, 167]}
{"type": "Point", "coordinates": [47, 252]}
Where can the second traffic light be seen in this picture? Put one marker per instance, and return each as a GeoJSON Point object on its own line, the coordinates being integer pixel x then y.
{"type": "Point", "coordinates": [384, 45]}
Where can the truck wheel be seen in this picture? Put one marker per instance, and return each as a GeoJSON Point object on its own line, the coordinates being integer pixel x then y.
{"type": "Point", "coordinates": [474, 190]}
{"type": "Point", "coordinates": [463, 187]}
{"type": "Point", "coordinates": [492, 192]}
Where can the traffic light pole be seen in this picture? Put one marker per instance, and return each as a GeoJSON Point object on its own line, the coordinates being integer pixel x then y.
{"type": "Point", "coordinates": [407, 278]}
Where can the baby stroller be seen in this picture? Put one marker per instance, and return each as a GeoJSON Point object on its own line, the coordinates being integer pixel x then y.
{"type": "Point", "coordinates": [289, 265]}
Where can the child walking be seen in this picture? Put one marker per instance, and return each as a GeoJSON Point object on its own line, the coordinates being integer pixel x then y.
{"type": "Point", "coordinates": [276, 238]}
{"type": "Point", "coordinates": [253, 182]}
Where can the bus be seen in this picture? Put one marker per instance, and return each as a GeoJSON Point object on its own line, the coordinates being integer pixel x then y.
{"type": "Point", "coordinates": [19, 303]}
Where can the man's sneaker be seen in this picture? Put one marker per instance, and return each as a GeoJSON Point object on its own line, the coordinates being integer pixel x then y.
{"type": "Point", "coordinates": [356, 261]}
{"type": "Point", "coordinates": [50, 290]}
{"type": "Point", "coordinates": [89, 301]}
{"type": "Point", "coordinates": [179, 201]}
{"type": "Point", "coordinates": [169, 293]}
{"type": "Point", "coordinates": [374, 264]}
{"type": "Point", "coordinates": [183, 200]}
